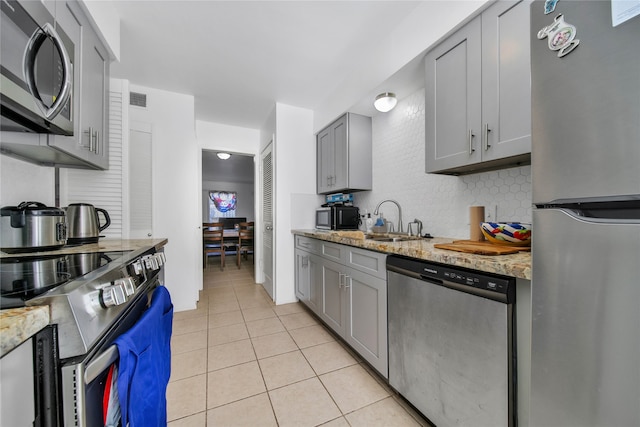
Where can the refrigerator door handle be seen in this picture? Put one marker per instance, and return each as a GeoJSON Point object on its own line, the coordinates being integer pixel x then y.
{"type": "Point", "coordinates": [604, 216]}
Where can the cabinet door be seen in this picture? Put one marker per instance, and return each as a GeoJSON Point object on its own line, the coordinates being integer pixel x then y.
{"type": "Point", "coordinates": [303, 277]}
{"type": "Point", "coordinates": [333, 296]}
{"type": "Point", "coordinates": [324, 160]}
{"type": "Point", "coordinates": [506, 80]}
{"type": "Point", "coordinates": [95, 84]}
{"type": "Point", "coordinates": [315, 284]}
{"type": "Point", "coordinates": [340, 154]}
{"type": "Point", "coordinates": [91, 85]}
{"type": "Point", "coordinates": [70, 22]}
{"type": "Point", "coordinates": [366, 329]}
{"type": "Point", "coordinates": [453, 103]}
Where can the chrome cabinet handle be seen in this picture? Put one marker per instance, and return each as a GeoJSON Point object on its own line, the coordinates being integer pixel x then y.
{"type": "Point", "coordinates": [37, 38]}
{"type": "Point", "coordinates": [470, 136]}
{"type": "Point", "coordinates": [305, 261]}
{"type": "Point", "coordinates": [96, 141]}
{"type": "Point", "coordinates": [268, 228]}
{"type": "Point", "coordinates": [342, 280]}
{"type": "Point", "coordinates": [486, 131]}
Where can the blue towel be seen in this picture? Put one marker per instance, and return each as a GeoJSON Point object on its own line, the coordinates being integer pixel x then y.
{"type": "Point", "coordinates": [145, 364]}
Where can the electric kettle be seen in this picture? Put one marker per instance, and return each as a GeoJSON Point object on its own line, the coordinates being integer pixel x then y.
{"type": "Point", "coordinates": [83, 223]}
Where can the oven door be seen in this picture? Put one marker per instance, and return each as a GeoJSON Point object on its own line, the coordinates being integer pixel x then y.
{"type": "Point", "coordinates": [37, 70]}
{"type": "Point", "coordinates": [84, 381]}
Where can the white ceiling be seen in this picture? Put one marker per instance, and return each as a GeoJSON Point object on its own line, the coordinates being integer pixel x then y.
{"type": "Point", "coordinates": [240, 57]}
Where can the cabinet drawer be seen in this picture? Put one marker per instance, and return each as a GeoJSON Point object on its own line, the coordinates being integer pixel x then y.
{"type": "Point", "coordinates": [369, 262]}
{"type": "Point", "coordinates": [308, 244]}
{"type": "Point", "coordinates": [333, 251]}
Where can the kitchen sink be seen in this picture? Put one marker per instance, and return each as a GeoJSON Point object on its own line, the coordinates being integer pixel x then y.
{"type": "Point", "coordinates": [390, 237]}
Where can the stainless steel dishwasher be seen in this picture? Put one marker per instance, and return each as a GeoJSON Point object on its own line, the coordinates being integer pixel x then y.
{"type": "Point", "coordinates": [452, 342]}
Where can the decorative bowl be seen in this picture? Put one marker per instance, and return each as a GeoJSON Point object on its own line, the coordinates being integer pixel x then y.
{"type": "Point", "coordinates": [507, 233]}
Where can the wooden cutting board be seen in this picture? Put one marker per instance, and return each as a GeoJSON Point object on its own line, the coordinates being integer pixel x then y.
{"type": "Point", "coordinates": [481, 248]}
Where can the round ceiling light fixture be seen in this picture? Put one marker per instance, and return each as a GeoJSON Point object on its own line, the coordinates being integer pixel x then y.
{"type": "Point", "coordinates": [385, 102]}
{"type": "Point", "coordinates": [223, 156]}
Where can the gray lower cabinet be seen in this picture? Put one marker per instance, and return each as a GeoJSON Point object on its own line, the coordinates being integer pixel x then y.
{"type": "Point", "coordinates": [17, 387]}
{"type": "Point", "coordinates": [478, 93]}
{"type": "Point", "coordinates": [347, 288]}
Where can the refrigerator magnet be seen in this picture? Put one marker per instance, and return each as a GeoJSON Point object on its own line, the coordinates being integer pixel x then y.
{"type": "Point", "coordinates": [550, 6]}
{"type": "Point", "coordinates": [561, 36]}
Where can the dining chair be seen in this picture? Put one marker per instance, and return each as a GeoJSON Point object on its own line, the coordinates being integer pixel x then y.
{"type": "Point", "coordinates": [213, 242]}
{"type": "Point", "coordinates": [245, 241]}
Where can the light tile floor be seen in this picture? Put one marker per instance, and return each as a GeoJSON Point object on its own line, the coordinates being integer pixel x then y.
{"type": "Point", "coordinates": [240, 360]}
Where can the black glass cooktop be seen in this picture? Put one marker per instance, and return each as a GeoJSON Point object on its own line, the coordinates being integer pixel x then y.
{"type": "Point", "coordinates": [23, 278]}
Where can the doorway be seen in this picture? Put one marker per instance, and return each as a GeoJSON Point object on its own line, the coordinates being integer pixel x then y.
{"type": "Point", "coordinates": [228, 188]}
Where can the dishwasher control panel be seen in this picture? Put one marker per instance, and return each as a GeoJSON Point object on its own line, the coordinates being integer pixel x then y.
{"type": "Point", "coordinates": [470, 281]}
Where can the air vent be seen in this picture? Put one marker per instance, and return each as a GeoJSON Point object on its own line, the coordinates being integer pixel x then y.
{"type": "Point", "coordinates": [138, 99]}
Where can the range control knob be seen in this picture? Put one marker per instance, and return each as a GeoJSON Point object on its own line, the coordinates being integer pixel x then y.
{"type": "Point", "coordinates": [137, 268]}
{"type": "Point", "coordinates": [162, 259]}
{"type": "Point", "coordinates": [111, 296]}
{"type": "Point", "coordinates": [151, 262]}
{"type": "Point", "coordinates": [128, 284]}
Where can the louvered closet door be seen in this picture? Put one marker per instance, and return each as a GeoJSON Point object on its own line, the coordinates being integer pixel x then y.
{"type": "Point", "coordinates": [267, 216]}
{"type": "Point", "coordinates": [103, 189]}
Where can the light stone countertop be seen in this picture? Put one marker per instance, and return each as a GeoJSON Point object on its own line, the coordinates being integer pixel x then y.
{"type": "Point", "coordinates": [103, 245]}
{"type": "Point", "coordinates": [516, 265]}
{"type": "Point", "coordinates": [19, 324]}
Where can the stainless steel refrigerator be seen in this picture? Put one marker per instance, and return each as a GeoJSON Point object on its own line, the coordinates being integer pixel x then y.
{"type": "Point", "coordinates": [586, 219]}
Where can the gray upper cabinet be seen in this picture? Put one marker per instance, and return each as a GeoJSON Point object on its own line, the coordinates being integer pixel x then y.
{"type": "Point", "coordinates": [478, 94]}
{"type": "Point", "coordinates": [91, 83]}
{"type": "Point", "coordinates": [344, 155]}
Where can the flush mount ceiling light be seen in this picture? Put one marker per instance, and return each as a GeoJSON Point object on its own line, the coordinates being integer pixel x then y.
{"type": "Point", "coordinates": [223, 156]}
{"type": "Point", "coordinates": [385, 102]}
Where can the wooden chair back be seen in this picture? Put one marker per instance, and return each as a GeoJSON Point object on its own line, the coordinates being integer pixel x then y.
{"type": "Point", "coordinates": [245, 240]}
{"type": "Point", "coordinates": [213, 241]}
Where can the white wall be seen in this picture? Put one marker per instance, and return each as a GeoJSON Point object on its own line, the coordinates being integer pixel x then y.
{"type": "Point", "coordinates": [295, 177]}
{"type": "Point", "coordinates": [440, 201]}
{"type": "Point", "coordinates": [233, 139]}
{"type": "Point", "coordinates": [21, 181]}
{"type": "Point", "coordinates": [176, 191]}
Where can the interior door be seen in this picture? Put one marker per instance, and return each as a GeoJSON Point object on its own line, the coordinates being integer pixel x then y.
{"type": "Point", "coordinates": [266, 165]}
{"type": "Point", "coordinates": [140, 181]}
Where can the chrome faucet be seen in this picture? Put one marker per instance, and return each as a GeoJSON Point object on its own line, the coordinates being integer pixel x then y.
{"type": "Point", "coordinates": [418, 224]}
{"type": "Point", "coordinates": [375, 212]}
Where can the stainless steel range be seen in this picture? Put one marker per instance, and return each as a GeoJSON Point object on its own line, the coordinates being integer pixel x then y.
{"type": "Point", "coordinates": [93, 297]}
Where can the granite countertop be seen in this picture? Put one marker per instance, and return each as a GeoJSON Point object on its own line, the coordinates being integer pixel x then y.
{"type": "Point", "coordinates": [19, 324]}
{"type": "Point", "coordinates": [516, 265]}
{"type": "Point", "coordinates": [104, 245]}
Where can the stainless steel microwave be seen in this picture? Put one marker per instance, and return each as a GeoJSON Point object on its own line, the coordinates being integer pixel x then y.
{"type": "Point", "coordinates": [37, 59]}
{"type": "Point", "coordinates": [338, 218]}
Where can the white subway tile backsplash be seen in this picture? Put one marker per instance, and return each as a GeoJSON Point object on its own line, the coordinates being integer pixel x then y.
{"type": "Point", "coordinates": [441, 202]}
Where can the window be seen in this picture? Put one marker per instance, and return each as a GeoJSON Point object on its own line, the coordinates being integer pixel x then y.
{"type": "Point", "coordinates": [222, 204]}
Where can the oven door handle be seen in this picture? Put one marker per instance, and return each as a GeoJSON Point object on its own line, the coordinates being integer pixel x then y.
{"type": "Point", "coordinates": [100, 364]}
